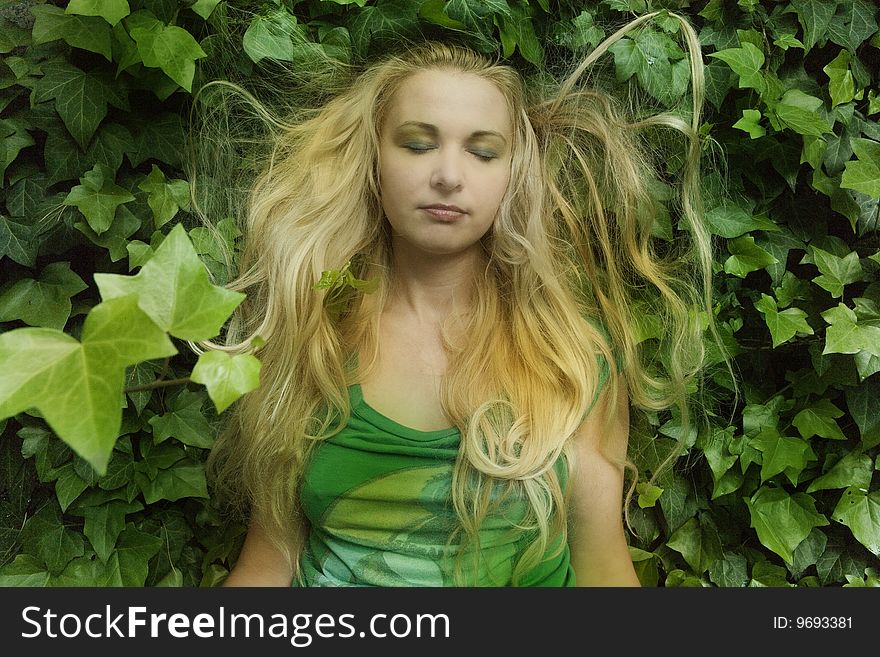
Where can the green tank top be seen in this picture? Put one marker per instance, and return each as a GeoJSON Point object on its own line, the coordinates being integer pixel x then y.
{"type": "Point", "coordinates": [379, 503]}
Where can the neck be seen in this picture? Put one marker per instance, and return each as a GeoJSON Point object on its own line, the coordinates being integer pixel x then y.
{"type": "Point", "coordinates": [429, 287]}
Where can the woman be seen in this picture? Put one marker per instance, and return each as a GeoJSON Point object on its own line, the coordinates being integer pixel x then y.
{"type": "Point", "coordinates": [465, 422]}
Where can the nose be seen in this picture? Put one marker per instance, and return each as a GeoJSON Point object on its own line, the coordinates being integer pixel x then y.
{"type": "Point", "coordinates": [447, 173]}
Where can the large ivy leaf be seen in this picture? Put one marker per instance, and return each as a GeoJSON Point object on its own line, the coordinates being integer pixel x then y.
{"type": "Point", "coordinates": [16, 242]}
{"type": "Point", "coordinates": [165, 197]}
{"type": "Point", "coordinates": [747, 62]}
{"type": "Point", "coordinates": [746, 256]}
{"type": "Point", "coordinates": [846, 335]}
{"type": "Point", "coordinates": [698, 543]}
{"type": "Point", "coordinates": [97, 197]}
{"type": "Point", "coordinates": [15, 137]}
{"type": "Point", "coordinates": [115, 238]}
{"type": "Point", "coordinates": [783, 324]}
{"type": "Point", "coordinates": [174, 290]}
{"type": "Point", "coordinates": [77, 386]}
{"type": "Point", "coordinates": [781, 520]}
{"type": "Point", "coordinates": [863, 174]}
{"type": "Point", "coordinates": [842, 86]}
{"type": "Point", "coordinates": [167, 47]}
{"type": "Point", "coordinates": [860, 511]}
{"type": "Point", "coordinates": [798, 111]}
{"type": "Point", "coordinates": [863, 403]}
{"type": "Point", "coordinates": [104, 523]}
{"type": "Point", "coordinates": [516, 31]}
{"type": "Point", "coordinates": [24, 570]}
{"type": "Point", "coordinates": [111, 11]}
{"type": "Point", "coordinates": [818, 420]}
{"type": "Point", "coordinates": [80, 98]}
{"type": "Point", "coordinates": [852, 469]}
{"type": "Point", "coordinates": [382, 19]}
{"type": "Point", "coordinates": [853, 23]}
{"type": "Point", "coordinates": [226, 377]}
{"type": "Point", "coordinates": [780, 454]}
{"type": "Point", "coordinates": [128, 564]}
{"type": "Point", "coordinates": [84, 32]}
{"type": "Point", "coordinates": [814, 17]}
{"type": "Point", "coordinates": [272, 36]}
{"type": "Point", "coordinates": [183, 479]}
{"type": "Point", "coordinates": [44, 302]}
{"type": "Point", "coordinates": [54, 543]}
{"type": "Point", "coordinates": [159, 138]}
{"type": "Point", "coordinates": [205, 8]}
{"type": "Point", "coordinates": [184, 421]}
{"type": "Point", "coordinates": [836, 272]}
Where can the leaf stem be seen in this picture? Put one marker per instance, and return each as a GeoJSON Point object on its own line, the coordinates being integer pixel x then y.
{"type": "Point", "coordinates": [158, 383]}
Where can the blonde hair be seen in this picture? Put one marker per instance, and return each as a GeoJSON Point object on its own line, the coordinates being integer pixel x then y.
{"type": "Point", "coordinates": [570, 251]}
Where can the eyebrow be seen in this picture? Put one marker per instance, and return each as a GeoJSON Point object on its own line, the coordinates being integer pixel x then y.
{"type": "Point", "coordinates": [432, 129]}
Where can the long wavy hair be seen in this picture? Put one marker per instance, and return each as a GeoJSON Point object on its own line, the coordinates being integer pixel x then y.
{"type": "Point", "coordinates": [571, 268]}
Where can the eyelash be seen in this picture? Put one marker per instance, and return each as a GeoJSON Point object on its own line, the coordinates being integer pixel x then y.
{"type": "Point", "coordinates": [424, 148]}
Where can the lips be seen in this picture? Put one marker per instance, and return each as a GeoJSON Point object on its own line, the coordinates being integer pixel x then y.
{"type": "Point", "coordinates": [443, 211]}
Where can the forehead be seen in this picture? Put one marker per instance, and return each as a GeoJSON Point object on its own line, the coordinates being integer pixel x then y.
{"type": "Point", "coordinates": [450, 100]}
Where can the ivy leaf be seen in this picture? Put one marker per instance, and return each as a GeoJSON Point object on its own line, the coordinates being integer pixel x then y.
{"type": "Point", "coordinates": [86, 32]}
{"type": "Point", "coordinates": [115, 238]}
{"type": "Point", "coordinates": [852, 469]}
{"type": "Point", "coordinates": [698, 543]}
{"type": "Point", "coordinates": [167, 47]}
{"type": "Point", "coordinates": [814, 17]}
{"type": "Point", "coordinates": [226, 377]}
{"type": "Point", "coordinates": [746, 62]}
{"type": "Point", "coordinates": [863, 403]}
{"type": "Point", "coordinates": [15, 138]}
{"type": "Point", "coordinates": [216, 244]}
{"type": "Point", "coordinates": [386, 18]}
{"type": "Point", "coordinates": [781, 520]}
{"type": "Point", "coordinates": [746, 257]}
{"type": "Point", "coordinates": [80, 98]}
{"type": "Point", "coordinates": [68, 486]}
{"type": "Point", "coordinates": [16, 242]}
{"type": "Point", "coordinates": [111, 11]}
{"type": "Point", "coordinates": [731, 571]}
{"type": "Point", "coordinates": [160, 138]}
{"type": "Point", "coordinates": [863, 174]}
{"type": "Point", "coordinates": [44, 302]}
{"type": "Point", "coordinates": [860, 511]}
{"type": "Point", "coordinates": [854, 24]}
{"type": "Point", "coordinates": [732, 221]}
{"type": "Point", "coordinates": [77, 386]}
{"type": "Point", "coordinates": [175, 483]}
{"type": "Point", "coordinates": [174, 290]}
{"type": "Point", "coordinates": [165, 198]}
{"type": "Point", "coordinates": [798, 111]}
{"type": "Point", "coordinates": [272, 36]}
{"type": "Point", "coordinates": [818, 420]}
{"type": "Point", "coordinates": [780, 454]}
{"type": "Point", "coordinates": [516, 30]}
{"type": "Point", "coordinates": [129, 563]}
{"type": "Point", "coordinates": [97, 197]}
{"type": "Point", "coordinates": [104, 523]}
{"type": "Point", "coordinates": [185, 421]}
{"type": "Point", "coordinates": [648, 494]}
{"type": "Point", "coordinates": [24, 570]}
{"type": "Point", "coordinates": [784, 324]}
{"type": "Point", "coordinates": [846, 335]}
{"type": "Point", "coordinates": [836, 272]}
{"type": "Point", "coordinates": [656, 61]}
{"type": "Point", "coordinates": [205, 8]}
{"type": "Point", "coordinates": [54, 543]}
{"type": "Point", "coordinates": [842, 86]}
{"type": "Point", "coordinates": [750, 123]}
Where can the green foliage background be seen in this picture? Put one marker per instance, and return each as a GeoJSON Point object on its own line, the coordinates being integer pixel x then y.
{"type": "Point", "coordinates": [104, 487]}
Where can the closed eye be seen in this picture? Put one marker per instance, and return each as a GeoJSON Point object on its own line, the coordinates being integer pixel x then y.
{"type": "Point", "coordinates": [485, 156]}
{"type": "Point", "coordinates": [418, 147]}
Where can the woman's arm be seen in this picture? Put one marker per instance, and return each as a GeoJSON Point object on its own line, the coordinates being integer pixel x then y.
{"type": "Point", "coordinates": [599, 551]}
{"type": "Point", "coordinates": [261, 562]}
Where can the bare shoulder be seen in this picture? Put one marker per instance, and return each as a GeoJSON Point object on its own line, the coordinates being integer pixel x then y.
{"type": "Point", "coordinates": [262, 562]}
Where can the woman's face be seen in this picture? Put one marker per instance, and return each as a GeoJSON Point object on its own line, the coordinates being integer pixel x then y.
{"type": "Point", "coordinates": [444, 160]}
